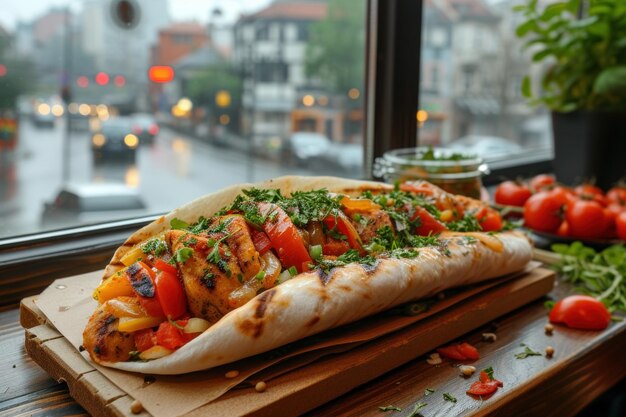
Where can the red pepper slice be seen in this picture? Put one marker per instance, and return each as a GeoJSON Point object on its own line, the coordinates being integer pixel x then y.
{"type": "Point", "coordinates": [451, 352]}
{"type": "Point", "coordinates": [141, 277]}
{"type": "Point", "coordinates": [483, 388]}
{"type": "Point", "coordinates": [429, 225]}
{"type": "Point", "coordinates": [469, 351]}
{"type": "Point", "coordinates": [145, 339]}
{"type": "Point", "coordinates": [261, 242]}
{"type": "Point", "coordinates": [343, 226]}
{"type": "Point", "coordinates": [161, 265]}
{"type": "Point", "coordinates": [460, 352]}
{"type": "Point", "coordinates": [284, 237]}
{"type": "Point", "coordinates": [171, 295]}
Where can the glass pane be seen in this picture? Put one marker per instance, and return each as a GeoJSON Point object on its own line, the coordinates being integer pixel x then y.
{"type": "Point", "coordinates": [471, 73]}
{"type": "Point", "coordinates": [113, 109]}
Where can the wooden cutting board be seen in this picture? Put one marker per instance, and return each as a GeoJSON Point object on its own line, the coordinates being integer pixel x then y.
{"type": "Point", "coordinates": [293, 388]}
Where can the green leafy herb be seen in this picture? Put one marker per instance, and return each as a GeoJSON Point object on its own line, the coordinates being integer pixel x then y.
{"type": "Point", "coordinates": [209, 280]}
{"type": "Point", "coordinates": [178, 224]}
{"type": "Point", "coordinates": [134, 355]}
{"type": "Point", "coordinates": [428, 391]}
{"type": "Point", "coordinates": [600, 275]}
{"type": "Point", "coordinates": [468, 223]}
{"type": "Point", "coordinates": [214, 255]}
{"type": "Point", "coordinates": [416, 409]}
{"type": "Point", "coordinates": [240, 277]}
{"type": "Point", "coordinates": [526, 353]}
{"type": "Point", "coordinates": [351, 256]}
{"type": "Point", "coordinates": [549, 304]}
{"type": "Point", "coordinates": [260, 276]}
{"type": "Point", "coordinates": [429, 154]}
{"type": "Point", "coordinates": [156, 247]}
{"type": "Point", "coordinates": [201, 225]}
{"type": "Point", "coordinates": [448, 397]}
{"type": "Point", "coordinates": [404, 253]}
{"type": "Point", "coordinates": [489, 371]}
{"type": "Point", "coordinates": [183, 254]}
{"type": "Point", "coordinates": [389, 408]}
{"type": "Point", "coordinates": [293, 271]}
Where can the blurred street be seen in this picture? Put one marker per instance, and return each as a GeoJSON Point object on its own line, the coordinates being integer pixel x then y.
{"type": "Point", "coordinates": [174, 170]}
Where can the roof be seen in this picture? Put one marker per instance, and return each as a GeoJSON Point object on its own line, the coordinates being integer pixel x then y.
{"type": "Point", "coordinates": [295, 10]}
{"type": "Point", "coordinates": [191, 28]}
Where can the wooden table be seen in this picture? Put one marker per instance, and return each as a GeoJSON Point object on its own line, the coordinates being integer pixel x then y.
{"type": "Point", "coordinates": [585, 365]}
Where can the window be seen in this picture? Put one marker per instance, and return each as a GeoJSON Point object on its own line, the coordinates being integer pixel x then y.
{"type": "Point", "coordinates": [479, 107]}
{"type": "Point", "coordinates": [86, 136]}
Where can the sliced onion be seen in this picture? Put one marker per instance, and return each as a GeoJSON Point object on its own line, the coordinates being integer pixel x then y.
{"type": "Point", "coordinates": [155, 352]}
{"type": "Point", "coordinates": [196, 325]}
{"type": "Point", "coordinates": [271, 265]}
{"type": "Point", "coordinates": [284, 276]}
{"type": "Point", "coordinates": [120, 308]}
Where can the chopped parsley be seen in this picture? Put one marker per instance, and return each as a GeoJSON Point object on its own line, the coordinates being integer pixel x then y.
{"type": "Point", "coordinates": [183, 254]}
{"type": "Point", "coordinates": [156, 247]}
{"type": "Point", "coordinates": [134, 356]}
{"type": "Point", "coordinates": [214, 256]}
{"type": "Point", "coordinates": [448, 397]}
{"type": "Point", "coordinates": [200, 226]}
{"type": "Point", "coordinates": [468, 223]}
{"type": "Point", "coordinates": [351, 256]}
{"type": "Point", "coordinates": [209, 280]}
{"type": "Point", "coordinates": [526, 353]}
{"type": "Point", "coordinates": [428, 391]}
{"type": "Point", "coordinates": [489, 371]}
{"type": "Point", "coordinates": [178, 224]}
{"type": "Point", "coordinates": [404, 253]}
{"type": "Point", "coordinates": [389, 408]}
{"type": "Point", "coordinates": [416, 409]}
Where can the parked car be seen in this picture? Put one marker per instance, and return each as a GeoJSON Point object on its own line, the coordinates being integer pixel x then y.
{"type": "Point", "coordinates": [304, 146]}
{"type": "Point", "coordinates": [92, 203]}
{"type": "Point", "coordinates": [114, 140]}
{"type": "Point", "coordinates": [145, 127]}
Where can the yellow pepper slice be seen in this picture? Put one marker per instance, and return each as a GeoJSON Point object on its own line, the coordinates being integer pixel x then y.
{"type": "Point", "coordinates": [115, 286]}
{"type": "Point", "coordinates": [132, 256]}
{"type": "Point", "coordinates": [132, 324]}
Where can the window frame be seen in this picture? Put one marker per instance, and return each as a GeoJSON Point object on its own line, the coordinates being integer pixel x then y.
{"type": "Point", "coordinates": [29, 263]}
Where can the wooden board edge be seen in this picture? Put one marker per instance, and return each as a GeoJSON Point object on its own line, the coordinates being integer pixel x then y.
{"type": "Point", "coordinates": [30, 314]}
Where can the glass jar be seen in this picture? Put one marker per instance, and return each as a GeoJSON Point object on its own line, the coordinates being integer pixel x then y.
{"type": "Point", "coordinates": [455, 173]}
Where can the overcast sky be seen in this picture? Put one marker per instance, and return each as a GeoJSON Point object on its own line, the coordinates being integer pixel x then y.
{"type": "Point", "coordinates": [13, 11]}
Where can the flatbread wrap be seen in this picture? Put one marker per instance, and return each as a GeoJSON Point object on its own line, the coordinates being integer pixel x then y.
{"type": "Point", "coordinates": [256, 266]}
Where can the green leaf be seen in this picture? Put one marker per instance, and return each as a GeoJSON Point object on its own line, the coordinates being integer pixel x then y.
{"type": "Point", "coordinates": [525, 27]}
{"type": "Point", "coordinates": [611, 81]}
{"type": "Point", "coordinates": [601, 29]}
{"type": "Point", "coordinates": [527, 87]}
{"type": "Point", "coordinates": [552, 11]}
{"type": "Point", "coordinates": [542, 54]}
{"type": "Point", "coordinates": [178, 224]}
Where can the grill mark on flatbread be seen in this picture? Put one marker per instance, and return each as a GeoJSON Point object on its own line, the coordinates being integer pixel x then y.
{"type": "Point", "coordinates": [264, 299]}
{"type": "Point", "coordinates": [313, 321]}
{"type": "Point", "coordinates": [253, 328]}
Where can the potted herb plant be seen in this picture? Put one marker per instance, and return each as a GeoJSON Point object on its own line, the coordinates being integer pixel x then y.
{"type": "Point", "coordinates": [582, 44]}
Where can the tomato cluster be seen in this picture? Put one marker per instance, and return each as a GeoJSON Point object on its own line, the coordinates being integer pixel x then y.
{"type": "Point", "coordinates": [584, 212]}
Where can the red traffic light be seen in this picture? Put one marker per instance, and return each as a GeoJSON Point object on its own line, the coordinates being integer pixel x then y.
{"type": "Point", "coordinates": [102, 78]}
{"type": "Point", "coordinates": [119, 80]}
{"type": "Point", "coordinates": [161, 73]}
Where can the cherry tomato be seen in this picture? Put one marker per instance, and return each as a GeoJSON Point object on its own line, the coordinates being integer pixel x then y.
{"type": "Point", "coordinates": [335, 247]}
{"type": "Point", "coordinates": [512, 193]}
{"type": "Point", "coordinates": [581, 312]}
{"type": "Point", "coordinates": [460, 352]}
{"type": "Point", "coordinates": [617, 195]}
{"type": "Point", "coordinates": [428, 223]}
{"type": "Point", "coordinates": [543, 211]}
{"type": "Point", "coordinates": [141, 277]}
{"type": "Point", "coordinates": [284, 237]}
{"type": "Point", "coordinates": [171, 295]}
{"type": "Point", "coordinates": [588, 189]}
{"type": "Point", "coordinates": [620, 225]}
{"type": "Point", "coordinates": [541, 181]}
{"type": "Point", "coordinates": [489, 219]}
{"type": "Point", "coordinates": [469, 351]}
{"type": "Point", "coordinates": [161, 265]}
{"type": "Point", "coordinates": [171, 337]}
{"type": "Point", "coordinates": [564, 193]}
{"type": "Point", "coordinates": [586, 219]}
{"type": "Point", "coordinates": [145, 339]}
{"type": "Point", "coordinates": [261, 242]}
{"type": "Point", "coordinates": [563, 229]}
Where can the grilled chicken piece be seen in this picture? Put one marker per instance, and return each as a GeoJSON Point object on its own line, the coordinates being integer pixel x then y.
{"type": "Point", "coordinates": [221, 262]}
{"type": "Point", "coordinates": [369, 223]}
{"type": "Point", "coordinates": [102, 339]}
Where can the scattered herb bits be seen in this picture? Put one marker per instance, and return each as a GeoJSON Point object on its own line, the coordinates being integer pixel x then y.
{"type": "Point", "coordinates": [389, 408]}
{"type": "Point", "coordinates": [526, 353]}
{"type": "Point", "coordinates": [428, 391]}
{"type": "Point", "coordinates": [448, 397]}
{"type": "Point", "coordinates": [416, 409]}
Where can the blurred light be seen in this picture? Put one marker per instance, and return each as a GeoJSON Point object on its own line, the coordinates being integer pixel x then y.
{"type": "Point", "coordinates": [3, 70]}
{"type": "Point", "coordinates": [131, 140]}
{"type": "Point", "coordinates": [222, 98]}
{"type": "Point", "coordinates": [275, 142]}
{"type": "Point", "coordinates": [82, 81]}
{"type": "Point", "coordinates": [43, 109]}
{"type": "Point", "coordinates": [422, 116]}
{"type": "Point", "coordinates": [132, 176]}
{"type": "Point", "coordinates": [102, 78]}
{"type": "Point", "coordinates": [224, 119]}
{"type": "Point", "coordinates": [98, 140]}
{"type": "Point", "coordinates": [179, 145]}
{"type": "Point", "coordinates": [73, 108]}
{"type": "Point", "coordinates": [354, 93]}
{"type": "Point", "coordinates": [185, 104]}
{"type": "Point", "coordinates": [308, 100]}
{"type": "Point", "coordinates": [93, 109]}
{"type": "Point", "coordinates": [322, 100]}
{"type": "Point", "coordinates": [177, 112]}
{"type": "Point", "coordinates": [153, 129]}
{"type": "Point", "coordinates": [119, 80]}
{"type": "Point", "coordinates": [94, 124]}
{"type": "Point", "coordinates": [57, 110]}
{"type": "Point", "coordinates": [102, 111]}
{"type": "Point", "coordinates": [161, 74]}
{"type": "Point", "coordinates": [84, 109]}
